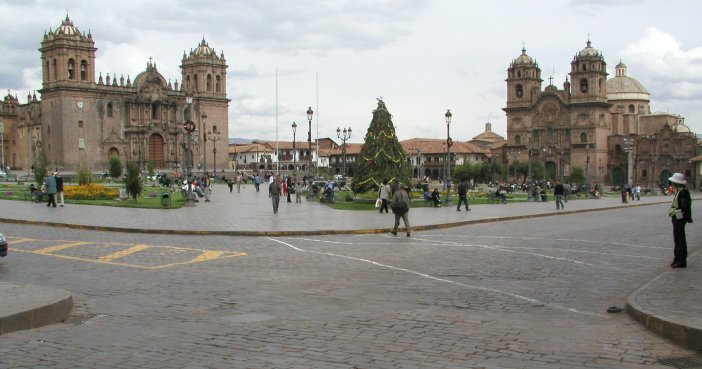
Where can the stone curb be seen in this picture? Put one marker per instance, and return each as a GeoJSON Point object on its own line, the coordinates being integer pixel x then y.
{"type": "Point", "coordinates": [679, 333]}
{"type": "Point", "coordinates": [55, 311]}
{"type": "Point", "coordinates": [310, 232]}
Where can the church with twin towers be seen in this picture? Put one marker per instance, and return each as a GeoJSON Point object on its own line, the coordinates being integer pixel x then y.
{"type": "Point", "coordinates": [83, 116]}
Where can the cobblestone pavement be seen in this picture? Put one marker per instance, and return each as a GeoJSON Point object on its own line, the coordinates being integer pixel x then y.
{"type": "Point", "coordinates": [519, 294]}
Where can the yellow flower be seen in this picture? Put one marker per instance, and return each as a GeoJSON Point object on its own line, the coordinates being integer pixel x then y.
{"type": "Point", "coordinates": [90, 191]}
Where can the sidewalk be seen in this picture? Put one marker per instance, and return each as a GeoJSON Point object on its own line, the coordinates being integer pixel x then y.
{"type": "Point", "coordinates": [670, 304]}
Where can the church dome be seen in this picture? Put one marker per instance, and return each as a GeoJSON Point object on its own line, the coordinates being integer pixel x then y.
{"type": "Point", "coordinates": [204, 49]}
{"type": "Point", "coordinates": [588, 50]}
{"type": "Point", "coordinates": [623, 87]}
{"type": "Point", "coordinates": [523, 59]}
{"type": "Point", "coordinates": [681, 128]}
{"type": "Point", "coordinates": [67, 28]}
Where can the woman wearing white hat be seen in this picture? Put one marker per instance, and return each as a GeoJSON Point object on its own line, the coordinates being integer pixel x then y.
{"type": "Point", "coordinates": [681, 213]}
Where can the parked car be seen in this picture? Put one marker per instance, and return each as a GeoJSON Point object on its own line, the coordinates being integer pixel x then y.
{"type": "Point", "coordinates": [3, 245]}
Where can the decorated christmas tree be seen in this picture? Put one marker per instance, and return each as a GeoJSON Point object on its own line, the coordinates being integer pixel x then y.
{"type": "Point", "coordinates": [381, 157]}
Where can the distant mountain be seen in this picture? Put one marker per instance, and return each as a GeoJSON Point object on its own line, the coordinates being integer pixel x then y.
{"type": "Point", "coordinates": [239, 141]}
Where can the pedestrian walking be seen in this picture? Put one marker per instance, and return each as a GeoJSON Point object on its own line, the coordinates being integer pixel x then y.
{"type": "Point", "coordinates": [238, 182]}
{"type": "Point", "coordinates": [50, 183]}
{"type": "Point", "coordinates": [384, 194]}
{"type": "Point", "coordinates": [400, 207]}
{"type": "Point", "coordinates": [558, 193]}
{"type": "Point", "coordinates": [274, 192]}
{"type": "Point", "coordinates": [257, 182]}
{"type": "Point", "coordinates": [230, 184]}
{"type": "Point", "coordinates": [59, 188]}
{"type": "Point", "coordinates": [680, 213]}
{"type": "Point", "coordinates": [298, 192]}
{"type": "Point", "coordinates": [462, 194]}
{"type": "Point", "coordinates": [288, 188]}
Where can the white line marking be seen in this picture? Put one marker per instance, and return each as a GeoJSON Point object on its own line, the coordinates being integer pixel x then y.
{"type": "Point", "coordinates": [428, 276]}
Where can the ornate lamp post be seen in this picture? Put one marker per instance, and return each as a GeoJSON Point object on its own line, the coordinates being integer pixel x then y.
{"type": "Point", "coordinates": [204, 142]}
{"type": "Point", "coordinates": [294, 129]}
{"type": "Point", "coordinates": [346, 135]}
{"type": "Point", "coordinates": [310, 112]}
{"type": "Point", "coordinates": [449, 142]}
{"type": "Point", "coordinates": [189, 128]}
{"type": "Point", "coordinates": [214, 137]}
{"type": "Point", "coordinates": [629, 149]}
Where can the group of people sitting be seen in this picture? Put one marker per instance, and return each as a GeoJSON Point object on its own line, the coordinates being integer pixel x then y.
{"type": "Point", "coordinates": [200, 186]}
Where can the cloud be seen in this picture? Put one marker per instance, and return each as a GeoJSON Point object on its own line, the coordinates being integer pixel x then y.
{"type": "Point", "coordinates": [670, 71]}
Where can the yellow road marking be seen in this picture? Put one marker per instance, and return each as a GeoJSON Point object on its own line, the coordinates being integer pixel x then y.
{"type": "Point", "coordinates": [123, 253]}
{"type": "Point", "coordinates": [207, 255]}
{"type": "Point", "coordinates": [20, 240]}
{"type": "Point", "coordinates": [49, 250]}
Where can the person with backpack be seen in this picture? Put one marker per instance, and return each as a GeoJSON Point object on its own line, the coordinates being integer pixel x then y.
{"type": "Point", "coordinates": [400, 207]}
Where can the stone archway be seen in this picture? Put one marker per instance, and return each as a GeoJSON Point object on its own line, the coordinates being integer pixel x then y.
{"type": "Point", "coordinates": [156, 151]}
{"type": "Point", "coordinates": [550, 171]}
{"type": "Point", "coordinates": [618, 177]}
{"type": "Point", "coordinates": [665, 174]}
{"type": "Point", "coordinates": [112, 151]}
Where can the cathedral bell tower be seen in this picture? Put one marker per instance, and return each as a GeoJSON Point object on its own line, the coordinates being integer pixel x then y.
{"type": "Point", "coordinates": [67, 57]}
{"type": "Point", "coordinates": [588, 73]}
{"type": "Point", "coordinates": [204, 76]}
{"type": "Point", "coordinates": [523, 81]}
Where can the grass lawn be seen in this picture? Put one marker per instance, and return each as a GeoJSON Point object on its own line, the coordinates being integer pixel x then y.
{"type": "Point", "coordinates": [150, 197]}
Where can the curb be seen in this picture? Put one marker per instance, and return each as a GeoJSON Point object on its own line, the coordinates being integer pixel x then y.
{"type": "Point", "coordinates": [680, 334]}
{"type": "Point", "coordinates": [55, 311]}
{"type": "Point", "coordinates": [310, 232]}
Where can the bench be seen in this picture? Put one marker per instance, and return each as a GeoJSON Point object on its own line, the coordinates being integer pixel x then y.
{"type": "Point", "coordinates": [492, 198]}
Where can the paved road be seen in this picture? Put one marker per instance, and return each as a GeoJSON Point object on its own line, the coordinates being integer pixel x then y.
{"type": "Point", "coordinates": [519, 294]}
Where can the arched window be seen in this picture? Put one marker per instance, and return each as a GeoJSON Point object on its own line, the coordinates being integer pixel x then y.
{"type": "Point", "coordinates": [83, 70]}
{"type": "Point", "coordinates": [583, 67]}
{"type": "Point", "coordinates": [54, 71]}
{"type": "Point", "coordinates": [632, 108]}
{"type": "Point", "coordinates": [71, 64]}
{"type": "Point", "coordinates": [583, 85]}
{"type": "Point", "coordinates": [519, 74]}
{"type": "Point", "coordinates": [187, 83]}
{"type": "Point", "coordinates": [583, 137]}
{"type": "Point", "coordinates": [519, 91]}
{"type": "Point", "coordinates": [218, 84]}
{"type": "Point", "coordinates": [109, 110]}
{"type": "Point", "coordinates": [209, 82]}
{"type": "Point", "coordinates": [644, 173]}
{"type": "Point", "coordinates": [600, 85]}
{"type": "Point", "coordinates": [48, 71]}
{"type": "Point", "coordinates": [517, 140]}
{"type": "Point", "coordinates": [196, 87]}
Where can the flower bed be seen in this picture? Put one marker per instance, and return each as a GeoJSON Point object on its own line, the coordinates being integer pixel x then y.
{"type": "Point", "coordinates": [90, 192]}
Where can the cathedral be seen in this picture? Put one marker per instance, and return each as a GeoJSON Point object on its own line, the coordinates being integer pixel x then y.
{"type": "Point", "coordinates": [603, 126]}
{"type": "Point", "coordinates": [83, 120]}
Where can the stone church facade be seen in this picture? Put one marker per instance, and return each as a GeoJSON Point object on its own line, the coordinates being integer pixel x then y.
{"type": "Point", "coordinates": [81, 119]}
{"type": "Point", "coordinates": [605, 127]}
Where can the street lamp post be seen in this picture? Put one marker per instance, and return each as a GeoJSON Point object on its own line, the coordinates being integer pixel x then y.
{"type": "Point", "coordinates": [189, 127]}
{"type": "Point", "coordinates": [629, 149]}
{"type": "Point", "coordinates": [294, 129]}
{"type": "Point", "coordinates": [346, 135]}
{"type": "Point", "coordinates": [214, 137]}
{"type": "Point", "coordinates": [449, 142]}
{"type": "Point", "coordinates": [310, 112]}
{"type": "Point", "coordinates": [204, 142]}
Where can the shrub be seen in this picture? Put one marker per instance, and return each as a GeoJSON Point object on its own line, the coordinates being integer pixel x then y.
{"type": "Point", "coordinates": [90, 191]}
{"type": "Point", "coordinates": [115, 167]}
{"type": "Point", "coordinates": [132, 181]}
{"type": "Point", "coordinates": [84, 174]}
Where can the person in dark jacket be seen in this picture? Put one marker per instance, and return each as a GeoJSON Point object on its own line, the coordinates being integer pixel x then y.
{"type": "Point", "coordinates": [50, 183]}
{"type": "Point", "coordinates": [680, 213]}
{"type": "Point", "coordinates": [558, 192]}
{"type": "Point", "coordinates": [59, 188]}
{"type": "Point", "coordinates": [400, 207]}
{"type": "Point", "coordinates": [462, 194]}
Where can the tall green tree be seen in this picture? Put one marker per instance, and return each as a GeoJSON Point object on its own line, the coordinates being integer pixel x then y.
{"type": "Point", "coordinates": [40, 169]}
{"type": "Point", "coordinates": [132, 181]}
{"type": "Point", "coordinates": [115, 167]}
{"type": "Point", "coordinates": [381, 157]}
{"type": "Point", "coordinates": [577, 175]}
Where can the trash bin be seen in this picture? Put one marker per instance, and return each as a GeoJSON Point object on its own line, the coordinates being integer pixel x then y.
{"type": "Point", "coordinates": [166, 200]}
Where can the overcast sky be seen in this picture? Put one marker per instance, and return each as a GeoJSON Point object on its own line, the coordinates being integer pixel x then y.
{"type": "Point", "coordinates": [421, 56]}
